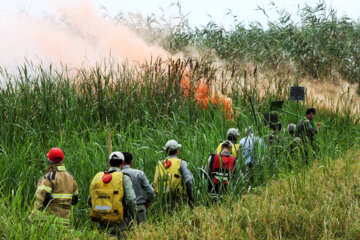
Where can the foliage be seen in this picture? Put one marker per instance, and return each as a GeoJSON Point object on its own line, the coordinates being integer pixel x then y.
{"type": "Point", "coordinates": [320, 45]}
{"type": "Point", "coordinates": [42, 108]}
{"type": "Point", "coordinates": [144, 106]}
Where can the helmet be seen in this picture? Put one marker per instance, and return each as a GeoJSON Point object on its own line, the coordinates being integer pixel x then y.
{"type": "Point", "coordinates": [233, 131]}
{"type": "Point", "coordinates": [291, 128]}
{"type": "Point", "coordinates": [55, 155]}
{"type": "Point", "coordinates": [116, 156]}
{"type": "Point", "coordinates": [172, 145]}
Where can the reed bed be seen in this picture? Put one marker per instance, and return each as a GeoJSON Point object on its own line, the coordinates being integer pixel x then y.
{"type": "Point", "coordinates": [142, 108]}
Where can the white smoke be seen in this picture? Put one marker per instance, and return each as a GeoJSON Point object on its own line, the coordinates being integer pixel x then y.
{"type": "Point", "coordinates": [73, 34]}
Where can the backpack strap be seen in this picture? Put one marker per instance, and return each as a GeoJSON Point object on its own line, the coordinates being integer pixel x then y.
{"type": "Point", "coordinates": [126, 174]}
{"type": "Point", "coordinates": [212, 159]}
{"type": "Point", "coordinates": [217, 171]}
{"type": "Point", "coordinates": [213, 163]}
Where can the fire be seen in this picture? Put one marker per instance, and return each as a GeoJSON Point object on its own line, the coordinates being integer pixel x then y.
{"type": "Point", "coordinates": [220, 100]}
{"type": "Point", "coordinates": [203, 96]}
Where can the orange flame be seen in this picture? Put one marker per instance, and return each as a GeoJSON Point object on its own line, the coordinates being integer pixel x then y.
{"type": "Point", "coordinates": [220, 100]}
{"type": "Point", "coordinates": [203, 98]}
{"type": "Point", "coordinates": [202, 95]}
{"type": "Point", "coordinates": [185, 84]}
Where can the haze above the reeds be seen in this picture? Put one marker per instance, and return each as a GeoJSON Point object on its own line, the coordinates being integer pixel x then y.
{"type": "Point", "coordinates": [73, 34]}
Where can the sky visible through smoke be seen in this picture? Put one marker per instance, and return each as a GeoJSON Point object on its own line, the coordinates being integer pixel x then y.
{"type": "Point", "coordinates": [85, 36]}
{"type": "Point", "coordinates": [200, 11]}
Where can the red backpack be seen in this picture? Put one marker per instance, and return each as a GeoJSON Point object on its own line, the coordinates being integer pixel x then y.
{"type": "Point", "coordinates": [221, 167]}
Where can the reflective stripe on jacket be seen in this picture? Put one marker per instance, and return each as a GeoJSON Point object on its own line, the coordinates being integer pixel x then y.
{"type": "Point", "coordinates": [55, 194]}
{"type": "Point", "coordinates": [221, 167]}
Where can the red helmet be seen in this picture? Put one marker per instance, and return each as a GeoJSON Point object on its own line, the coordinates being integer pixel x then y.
{"type": "Point", "coordinates": [56, 155]}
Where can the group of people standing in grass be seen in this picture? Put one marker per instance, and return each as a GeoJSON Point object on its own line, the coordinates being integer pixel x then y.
{"type": "Point", "coordinates": [122, 195]}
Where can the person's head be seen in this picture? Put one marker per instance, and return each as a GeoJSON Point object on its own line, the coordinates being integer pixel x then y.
{"type": "Point", "coordinates": [55, 155]}
{"type": "Point", "coordinates": [172, 148]}
{"type": "Point", "coordinates": [116, 159]}
{"type": "Point", "coordinates": [248, 131]}
{"type": "Point", "coordinates": [128, 158]}
{"type": "Point", "coordinates": [310, 113]}
{"type": "Point", "coordinates": [226, 146]}
{"type": "Point", "coordinates": [233, 135]}
{"type": "Point", "coordinates": [292, 128]}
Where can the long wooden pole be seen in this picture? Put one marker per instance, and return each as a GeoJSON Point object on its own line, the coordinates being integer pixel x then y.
{"type": "Point", "coordinates": [109, 142]}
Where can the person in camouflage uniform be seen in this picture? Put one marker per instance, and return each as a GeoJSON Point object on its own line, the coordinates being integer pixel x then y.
{"type": "Point", "coordinates": [307, 130]}
{"type": "Point", "coordinates": [56, 192]}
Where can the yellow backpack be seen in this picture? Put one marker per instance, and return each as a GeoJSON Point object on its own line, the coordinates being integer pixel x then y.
{"type": "Point", "coordinates": [168, 176]}
{"type": "Point", "coordinates": [107, 192]}
{"type": "Point", "coordinates": [234, 150]}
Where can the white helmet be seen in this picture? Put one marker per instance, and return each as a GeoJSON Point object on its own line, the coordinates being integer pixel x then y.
{"type": "Point", "coordinates": [172, 145]}
{"type": "Point", "coordinates": [116, 156]}
{"type": "Point", "coordinates": [233, 131]}
{"type": "Point", "coordinates": [292, 128]}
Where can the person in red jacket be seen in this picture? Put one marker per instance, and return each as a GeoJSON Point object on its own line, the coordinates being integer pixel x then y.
{"type": "Point", "coordinates": [221, 168]}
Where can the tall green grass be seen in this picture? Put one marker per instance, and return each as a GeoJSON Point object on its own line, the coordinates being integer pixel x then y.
{"type": "Point", "coordinates": [43, 107]}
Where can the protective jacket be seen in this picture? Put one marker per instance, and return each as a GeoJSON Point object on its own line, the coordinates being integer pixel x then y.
{"type": "Point", "coordinates": [55, 194]}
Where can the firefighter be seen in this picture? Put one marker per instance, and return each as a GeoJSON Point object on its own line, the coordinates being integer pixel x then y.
{"type": "Point", "coordinates": [232, 136]}
{"type": "Point", "coordinates": [140, 184]}
{"type": "Point", "coordinates": [112, 197]}
{"type": "Point", "coordinates": [306, 131]}
{"type": "Point", "coordinates": [252, 149]}
{"type": "Point", "coordinates": [221, 170]}
{"type": "Point", "coordinates": [56, 192]}
{"type": "Point", "coordinates": [293, 142]}
{"type": "Point", "coordinates": [173, 179]}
